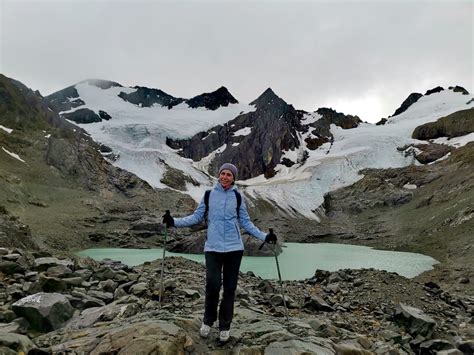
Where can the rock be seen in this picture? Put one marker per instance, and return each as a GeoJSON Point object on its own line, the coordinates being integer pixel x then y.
{"type": "Point", "coordinates": [59, 271]}
{"type": "Point", "coordinates": [105, 296]}
{"type": "Point", "coordinates": [349, 349]}
{"type": "Point", "coordinates": [52, 284]}
{"type": "Point", "coordinates": [467, 347]}
{"type": "Point", "coordinates": [139, 288]}
{"type": "Point", "coordinates": [3, 251]}
{"type": "Point", "coordinates": [290, 347]}
{"type": "Point", "coordinates": [108, 285]}
{"type": "Point", "coordinates": [410, 100]}
{"type": "Point", "coordinates": [432, 346]}
{"type": "Point", "coordinates": [450, 352]}
{"type": "Point", "coordinates": [42, 264]}
{"type": "Point", "coordinates": [463, 280]}
{"type": "Point", "coordinates": [10, 267]}
{"type": "Point", "coordinates": [316, 303]}
{"type": "Point", "coordinates": [414, 320]}
{"type": "Point", "coordinates": [16, 342]}
{"type": "Point", "coordinates": [44, 311]}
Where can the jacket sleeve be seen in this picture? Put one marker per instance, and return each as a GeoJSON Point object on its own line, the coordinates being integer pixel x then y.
{"type": "Point", "coordinates": [192, 219]}
{"type": "Point", "coordinates": [247, 224]}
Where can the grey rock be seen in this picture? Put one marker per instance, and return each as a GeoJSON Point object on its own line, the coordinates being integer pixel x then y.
{"type": "Point", "coordinates": [108, 285]}
{"type": "Point", "coordinates": [316, 303]}
{"type": "Point", "coordinates": [299, 347]}
{"type": "Point", "coordinates": [414, 320]}
{"type": "Point", "coordinates": [350, 349]}
{"type": "Point", "coordinates": [10, 267]}
{"type": "Point", "coordinates": [58, 271]}
{"type": "Point", "coordinates": [42, 264]}
{"type": "Point", "coordinates": [17, 342]}
{"type": "Point", "coordinates": [105, 296]}
{"type": "Point", "coordinates": [44, 311]}
{"type": "Point", "coordinates": [434, 345]}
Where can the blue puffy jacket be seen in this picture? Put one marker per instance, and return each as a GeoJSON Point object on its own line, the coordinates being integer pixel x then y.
{"type": "Point", "coordinates": [223, 233]}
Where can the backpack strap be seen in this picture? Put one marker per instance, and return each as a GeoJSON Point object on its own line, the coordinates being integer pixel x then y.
{"type": "Point", "coordinates": [206, 202]}
{"type": "Point", "coordinates": [239, 201]}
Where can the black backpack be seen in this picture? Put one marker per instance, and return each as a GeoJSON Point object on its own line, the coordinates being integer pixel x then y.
{"type": "Point", "coordinates": [206, 202]}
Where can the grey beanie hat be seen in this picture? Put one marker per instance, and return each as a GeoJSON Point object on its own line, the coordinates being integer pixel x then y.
{"type": "Point", "coordinates": [231, 167]}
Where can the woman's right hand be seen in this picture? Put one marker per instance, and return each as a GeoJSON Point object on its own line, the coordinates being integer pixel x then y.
{"type": "Point", "coordinates": [271, 237]}
{"type": "Point", "coordinates": [167, 219]}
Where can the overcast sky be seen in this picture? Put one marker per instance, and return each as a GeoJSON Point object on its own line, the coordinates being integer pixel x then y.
{"type": "Point", "coordinates": [358, 57]}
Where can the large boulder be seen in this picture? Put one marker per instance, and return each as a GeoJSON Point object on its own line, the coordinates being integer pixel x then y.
{"type": "Point", "coordinates": [414, 320]}
{"type": "Point", "coordinates": [44, 311]}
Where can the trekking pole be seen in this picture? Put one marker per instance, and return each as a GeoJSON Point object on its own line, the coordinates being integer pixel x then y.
{"type": "Point", "coordinates": [163, 265]}
{"type": "Point", "coordinates": [279, 278]}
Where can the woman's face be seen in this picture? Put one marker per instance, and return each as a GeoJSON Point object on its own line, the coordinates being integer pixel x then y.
{"type": "Point", "coordinates": [226, 178]}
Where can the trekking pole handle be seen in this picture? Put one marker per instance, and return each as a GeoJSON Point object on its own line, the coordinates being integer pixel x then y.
{"type": "Point", "coordinates": [261, 246]}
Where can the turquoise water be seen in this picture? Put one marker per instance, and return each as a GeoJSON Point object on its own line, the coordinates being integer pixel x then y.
{"type": "Point", "coordinates": [298, 261]}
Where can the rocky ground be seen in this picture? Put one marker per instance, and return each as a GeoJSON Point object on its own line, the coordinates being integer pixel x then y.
{"type": "Point", "coordinates": [80, 306]}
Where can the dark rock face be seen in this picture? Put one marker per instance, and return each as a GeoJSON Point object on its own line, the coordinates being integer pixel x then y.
{"type": "Point", "coordinates": [381, 122]}
{"type": "Point", "coordinates": [104, 115]}
{"type": "Point", "coordinates": [460, 89]}
{"type": "Point", "coordinates": [432, 152]}
{"type": "Point", "coordinates": [322, 127]}
{"type": "Point", "coordinates": [213, 100]}
{"type": "Point", "coordinates": [102, 84]}
{"type": "Point", "coordinates": [410, 100]}
{"type": "Point", "coordinates": [83, 115]}
{"type": "Point", "coordinates": [146, 97]}
{"type": "Point", "coordinates": [272, 129]}
{"type": "Point", "coordinates": [455, 125]}
{"type": "Point", "coordinates": [434, 90]}
{"type": "Point", "coordinates": [61, 100]}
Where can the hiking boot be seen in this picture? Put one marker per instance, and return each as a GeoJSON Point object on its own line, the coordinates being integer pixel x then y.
{"type": "Point", "coordinates": [204, 331]}
{"type": "Point", "coordinates": [224, 335]}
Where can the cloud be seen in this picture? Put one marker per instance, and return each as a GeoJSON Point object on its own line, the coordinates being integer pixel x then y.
{"type": "Point", "coordinates": [361, 57]}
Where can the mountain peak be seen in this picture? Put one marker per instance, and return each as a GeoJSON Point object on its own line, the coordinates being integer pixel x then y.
{"type": "Point", "coordinates": [213, 100]}
{"type": "Point", "coordinates": [100, 83]}
{"type": "Point", "coordinates": [267, 97]}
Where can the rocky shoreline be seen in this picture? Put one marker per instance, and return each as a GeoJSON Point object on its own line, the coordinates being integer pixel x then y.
{"type": "Point", "coordinates": [80, 306]}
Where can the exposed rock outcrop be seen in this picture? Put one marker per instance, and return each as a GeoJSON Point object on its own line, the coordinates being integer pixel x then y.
{"type": "Point", "coordinates": [213, 100]}
{"type": "Point", "coordinates": [456, 124]}
{"type": "Point", "coordinates": [410, 100]}
{"type": "Point", "coordinates": [146, 97]}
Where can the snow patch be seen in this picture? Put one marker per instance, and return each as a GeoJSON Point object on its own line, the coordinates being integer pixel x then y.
{"type": "Point", "coordinates": [8, 130]}
{"type": "Point", "coordinates": [243, 131]}
{"type": "Point", "coordinates": [456, 141]}
{"type": "Point", "coordinates": [16, 156]}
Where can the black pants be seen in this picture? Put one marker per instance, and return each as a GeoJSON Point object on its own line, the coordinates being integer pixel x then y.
{"type": "Point", "coordinates": [221, 266]}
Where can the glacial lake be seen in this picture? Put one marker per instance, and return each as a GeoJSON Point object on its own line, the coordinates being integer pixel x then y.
{"type": "Point", "coordinates": [297, 261]}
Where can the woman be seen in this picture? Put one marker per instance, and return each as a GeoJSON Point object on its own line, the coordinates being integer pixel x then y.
{"type": "Point", "coordinates": [224, 247]}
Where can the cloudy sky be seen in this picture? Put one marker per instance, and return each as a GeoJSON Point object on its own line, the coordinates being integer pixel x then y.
{"type": "Point", "coordinates": [358, 57]}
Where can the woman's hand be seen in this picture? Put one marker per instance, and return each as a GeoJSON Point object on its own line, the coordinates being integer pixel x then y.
{"type": "Point", "coordinates": [271, 237]}
{"type": "Point", "coordinates": [167, 219]}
